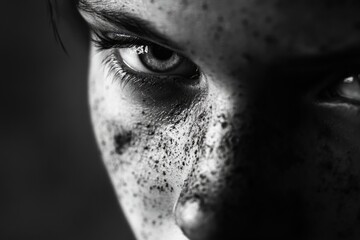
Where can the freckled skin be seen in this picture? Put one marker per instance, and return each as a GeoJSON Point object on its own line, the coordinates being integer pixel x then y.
{"type": "Point", "coordinates": [250, 155]}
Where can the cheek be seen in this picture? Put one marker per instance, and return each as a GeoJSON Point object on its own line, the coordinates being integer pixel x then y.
{"type": "Point", "coordinates": [148, 165]}
{"type": "Point", "coordinates": [330, 173]}
{"type": "Point", "coordinates": [333, 150]}
{"type": "Point", "coordinates": [148, 161]}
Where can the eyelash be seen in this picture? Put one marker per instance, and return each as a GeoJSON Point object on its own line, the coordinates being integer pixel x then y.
{"type": "Point", "coordinates": [120, 71]}
{"type": "Point", "coordinates": [319, 82]}
{"type": "Point", "coordinates": [104, 42]}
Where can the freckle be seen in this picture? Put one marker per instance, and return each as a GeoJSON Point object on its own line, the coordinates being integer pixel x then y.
{"type": "Point", "coordinates": [217, 35]}
{"type": "Point", "coordinates": [268, 19]}
{"type": "Point", "coordinates": [247, 57]}
{"type": "Point", "coordinates": [205, 7]}
{"type": "Point", "coordinates": [164, 173]}
{"type": "Point", "coordinates": [255, 34]}
{"type": "Point", "coordinates": [245, 22]}
{"type": "Point", "coordinates": [185, 3]}
{"type": "Point", "coordinates": [120, 141]}
{"type": "Point", "coordinates": [271, 40]}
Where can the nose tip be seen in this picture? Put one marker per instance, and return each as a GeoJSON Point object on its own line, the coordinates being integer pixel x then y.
{"type": "Point", "coordinates": [196, 222]}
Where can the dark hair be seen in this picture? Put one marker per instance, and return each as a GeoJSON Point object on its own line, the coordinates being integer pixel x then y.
{"type": "Point", "coordinates": [59, 10]}
{"type": "Point", "coordinates": [54, 16]}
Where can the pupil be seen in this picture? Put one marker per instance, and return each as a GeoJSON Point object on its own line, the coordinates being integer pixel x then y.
{"type": "Point", "coordinates": [161, 53]}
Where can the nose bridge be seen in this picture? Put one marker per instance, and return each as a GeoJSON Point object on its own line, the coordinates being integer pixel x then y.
{"type": "Point", "coordinates": [212, 184]}
{"type": "Point", "coordinates": [226, 127]}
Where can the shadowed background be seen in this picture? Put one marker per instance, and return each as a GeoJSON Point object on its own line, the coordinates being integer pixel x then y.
{"type": "Point", "coordinates": [53, 183]}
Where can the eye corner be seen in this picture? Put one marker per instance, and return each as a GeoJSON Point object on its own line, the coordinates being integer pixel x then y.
{"type": "Point", "coordinates": [344, 90]}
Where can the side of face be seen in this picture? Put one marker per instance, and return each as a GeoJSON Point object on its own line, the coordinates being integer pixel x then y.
{"type": "Point", "coordinates": [260, 139]}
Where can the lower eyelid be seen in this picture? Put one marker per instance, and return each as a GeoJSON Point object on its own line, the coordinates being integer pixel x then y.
{"type": "Point", "coordinates": [339, 106]}
{"type": "Point", "coordinates": [145, 84]}
{"type": "Point", "coordinates": [153, 79]}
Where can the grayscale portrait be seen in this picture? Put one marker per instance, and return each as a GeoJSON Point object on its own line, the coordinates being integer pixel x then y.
{"type": "Point", "coordinates": [231, 119]}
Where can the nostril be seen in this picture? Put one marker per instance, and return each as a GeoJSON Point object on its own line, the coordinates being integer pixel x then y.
{"type": "Point", "coordinates": [195, 222]}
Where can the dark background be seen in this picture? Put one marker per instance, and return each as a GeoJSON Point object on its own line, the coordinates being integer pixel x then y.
{"type": "Point", "coordinates": [53, 183]}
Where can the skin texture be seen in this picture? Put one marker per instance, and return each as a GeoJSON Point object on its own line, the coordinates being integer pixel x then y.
{"type": "Point", "coordinates": [251, 151]}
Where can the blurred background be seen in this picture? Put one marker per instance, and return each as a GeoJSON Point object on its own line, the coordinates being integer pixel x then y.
{"type": "Point", "coordinates": [53, 183]}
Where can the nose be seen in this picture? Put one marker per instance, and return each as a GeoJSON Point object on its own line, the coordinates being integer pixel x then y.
{"type": "Point", "coordinates": [194, 220]}
{"type": "Point", "coordinates": [211, 193]}
{"type": "Point", "coordinates": [236, 187]}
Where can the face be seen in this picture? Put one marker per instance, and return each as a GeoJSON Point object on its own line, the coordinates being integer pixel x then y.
{"type": "Point", "coordinates": [229, 119]}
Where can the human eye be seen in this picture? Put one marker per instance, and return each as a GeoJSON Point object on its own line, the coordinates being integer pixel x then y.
{"type": "Point", "coordinates": [339, 86]}
{"type": "Point", "coordinates": [345, 91]}
{"type": "Point", "coordinates": [331, 83]}
{"type": "Point", "coordinates": [152, 73]}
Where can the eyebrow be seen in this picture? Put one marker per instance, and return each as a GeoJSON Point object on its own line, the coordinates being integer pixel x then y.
{"type": "Point", "coordinates": [128, 22]}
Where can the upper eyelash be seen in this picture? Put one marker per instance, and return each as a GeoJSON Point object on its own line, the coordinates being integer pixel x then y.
{"type": "Point", "coordinates": [103, 41]}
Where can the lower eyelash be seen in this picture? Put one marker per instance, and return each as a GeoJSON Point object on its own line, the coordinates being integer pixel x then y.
{"type": "Point", "coordinates": [123, 74]}
{"type": "Point", "coordinates": [117, 72]}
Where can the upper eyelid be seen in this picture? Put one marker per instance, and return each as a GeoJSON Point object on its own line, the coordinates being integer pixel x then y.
{"type": "Point", "coordinates": [136, 40]}
{"type": "Point", "coordinates": [131, 42]}
{"type": "Point", "coordinates": [112, 42]}
{"type": "Point", "coordinates": [142, 41]}
{"type": "Point", "coordinates": [107, 20]}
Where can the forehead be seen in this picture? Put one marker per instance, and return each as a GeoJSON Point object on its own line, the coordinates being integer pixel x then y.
{"type": "Point", "coordinates": [231, 28]}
